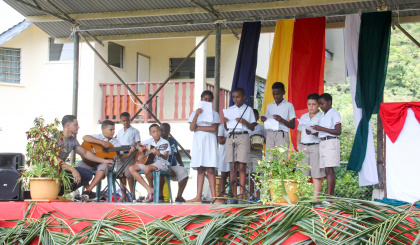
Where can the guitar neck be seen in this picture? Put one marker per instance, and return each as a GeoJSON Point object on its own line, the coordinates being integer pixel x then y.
{"type": "Point", "coordinates": [122, 148]}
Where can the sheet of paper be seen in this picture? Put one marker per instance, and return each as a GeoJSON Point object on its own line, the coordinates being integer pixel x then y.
{"type": "Point", "coordinates": [207, 114]}
{"type": "Point", "coordinates": [307, 125]}
{"type": "Point", "coordinates": [232, 114]}
{"type": "Point", "coordinates": [271, 123]}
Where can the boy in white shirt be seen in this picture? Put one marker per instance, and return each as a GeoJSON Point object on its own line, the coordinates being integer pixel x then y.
{"type": "Point", "coordinates": [310, 143]}
{"type": "Point", "coordinates": [159, 163]}
{"type": "Point", "coordinates": [256, 154]}
{"type": "Point", "coordinates": [284, 113]}
{"type": "Point", "coordinates": [242, 141]}
{"type": "Point", "coordinates": [329, 131]}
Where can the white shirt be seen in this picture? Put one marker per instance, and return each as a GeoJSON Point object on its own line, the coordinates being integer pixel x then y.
{"type": "Point", "coordinates": [129, 136]}
{"type": "Point", "coordinates": [309, 138]}
{"type": "Point", "coordinates": [248, 116]}
{"type": "Point", "coordinates": [161, 141]}
{"type": "Point", "coordinates": [285, 110]}
{"type": "Point", "coordinates": [329, 120]}
{"type": "Point", "coordinates": [113, 141]}
{"type": "Point", "coordinates": [260, 130]}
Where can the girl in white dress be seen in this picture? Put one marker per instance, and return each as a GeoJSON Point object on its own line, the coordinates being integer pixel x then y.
{"type": "Point", "coordinates": [204, 156]}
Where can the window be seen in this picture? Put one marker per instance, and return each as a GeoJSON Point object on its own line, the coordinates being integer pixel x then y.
{"type": "Point", "coordinates": [115, 55]}
{"type": "Point", "coordinates": [188, 69]}
{"type": "Point", "coordinates": [9, 65]}
{"type": "Point", "coordinates": [60, 52]}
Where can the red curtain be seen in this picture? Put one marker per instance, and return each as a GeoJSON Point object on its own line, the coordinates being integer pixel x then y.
{"type": "Point", "coordinates": [393, 117]}
{"type": "Point", "coordinates": [306, 64]}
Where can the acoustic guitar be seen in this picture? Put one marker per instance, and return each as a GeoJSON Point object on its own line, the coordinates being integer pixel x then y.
{"type": "Point", "coordinates": [102, 152]}
{"type": "Point", "coordinates": [146, 157]}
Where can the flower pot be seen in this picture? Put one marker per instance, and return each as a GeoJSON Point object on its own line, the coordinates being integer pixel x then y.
{"type": "Point", "coordinates": [44, 188]}
{"type": "Point", "coordinates": [291, 188]}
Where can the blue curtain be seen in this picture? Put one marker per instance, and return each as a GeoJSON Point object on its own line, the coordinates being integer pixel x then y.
{"type": "Point", "coordinates": [246, 63]}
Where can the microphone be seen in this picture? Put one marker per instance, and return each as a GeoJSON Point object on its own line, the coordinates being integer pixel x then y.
{"type": "Point", "coordinates": [250, 99]}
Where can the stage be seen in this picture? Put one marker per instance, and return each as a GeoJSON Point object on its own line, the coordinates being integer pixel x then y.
{"type": "Point", "coordinates": [347, 220]}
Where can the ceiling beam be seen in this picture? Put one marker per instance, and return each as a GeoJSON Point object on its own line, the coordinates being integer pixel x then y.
{"type": "Point", "coordinates": [193, 10]}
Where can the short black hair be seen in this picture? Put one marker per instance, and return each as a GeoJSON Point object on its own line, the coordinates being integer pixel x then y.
{"type": "Point", "coordinates": [68, 119]}
{"type": "Point", "coordinates": [313, 96]}
{"type": "Point", "coordinates": [125, 114]}
{"type": "Point", "coordinates": [107, 123]}
{"type": "Point", "coordinates": [256, 112]}
{"type": "Point", "coordinates": [207, 92]}
{"type": "Point", "coordinates": [166, 125]}
{"type": "Point", "coordinates": [153, 125]}
{"type": "Point", "coordinates": [240, 90]}
{"type": "Point", "coordinates": [278, 85]}
{"type": "Point", "coordinates": [326, 97]}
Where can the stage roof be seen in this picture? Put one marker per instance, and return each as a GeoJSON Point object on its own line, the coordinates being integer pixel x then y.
{"type": "Point", "coordinates": [128, 19]}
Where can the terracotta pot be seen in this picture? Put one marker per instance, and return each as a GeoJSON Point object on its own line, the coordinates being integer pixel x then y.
{"type": "Point", "coordinates": [291, 188]}
{"type": "Point", "coordinates": [44, 188]}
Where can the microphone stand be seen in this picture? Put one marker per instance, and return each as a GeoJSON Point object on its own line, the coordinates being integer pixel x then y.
{"type": "Point", "coordinates": [234, 182]}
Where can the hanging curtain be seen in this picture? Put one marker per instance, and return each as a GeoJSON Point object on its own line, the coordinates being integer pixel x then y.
{"type": "Point", "coordinates": [278, 70]}
{"type": "Point", "coordinates": [368, 175]}
{"type": "Point", "coordinates": [375, 32]}
{"type": "Point", "coordinates": [246, 63]}
{"type": "Point", "coordinates": [306, 64]}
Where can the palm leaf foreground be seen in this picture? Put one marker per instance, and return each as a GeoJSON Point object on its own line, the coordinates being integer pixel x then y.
{"type": "Point", "coordinates": [346, 221]}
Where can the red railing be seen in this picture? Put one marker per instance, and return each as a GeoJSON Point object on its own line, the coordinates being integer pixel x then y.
{"type": "Point", "coordinates": [174, 102]}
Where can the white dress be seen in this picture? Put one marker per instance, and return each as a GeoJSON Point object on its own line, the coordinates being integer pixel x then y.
{"type": "Point", "coordinates": [204, 149]}
{"type": "Point", "coordinates": [222, 166]}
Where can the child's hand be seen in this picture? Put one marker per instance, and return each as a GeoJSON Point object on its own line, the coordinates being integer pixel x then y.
{"type": "Point", "coordinates": [225, 119]}
{"type": "Point", "coordinates": [105, 144]}
{"type": "Point", "coordinates": [278, 118]}
{"type": "Point", "coordinates": [198, 111]}
{"type": "Point", "coordinates": [240, 120]}
{"type": "Point", "coordinates": [318, 128]}
{"type": "Point", "coordinates": [156, 152]}
{"type": "Point", "coordinates": [308, 132]}
{"type": "Point", "coordinates": [132, 149]}
{"type": "Point", "coordinates": [263, 118]}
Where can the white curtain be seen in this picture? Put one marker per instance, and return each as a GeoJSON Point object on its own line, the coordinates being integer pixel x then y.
{"type": "Point", "coordinates": [369, 173]}
{"type": "Point", "coordinates": [402, 162]}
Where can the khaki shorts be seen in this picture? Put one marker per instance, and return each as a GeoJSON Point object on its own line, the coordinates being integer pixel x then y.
{"type": "Point", "coordinates": [125, 173]}
{"type": "Point", "coordinates": [180, 173]}
{"type": "Point", "coordinates": [329, 153]}
{"type": "Point", "coordinates": [312, 154]}
{"type": "Point", "coordinates": [255, 156]}
{"type": "Point", "coordinates": [97, 168]}
{"type": "Point", "coordinates": [242, 148]}
{"type": "Point", "coordinates": [159, 165]}
{"type": "Point", "coordinates": [277, 138]}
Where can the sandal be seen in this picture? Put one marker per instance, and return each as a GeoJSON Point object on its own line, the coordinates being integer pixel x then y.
{"type": "Point", "coordinates": [149, 198]}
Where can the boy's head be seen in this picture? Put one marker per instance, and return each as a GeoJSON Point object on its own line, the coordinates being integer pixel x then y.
{"type": "Point", "coordinates": [256, 114]}
{"type": "Point", "coordinates": [154, 131]}
{"type": "Point", "coordinates": [125, 119]}
{"type": "Point", "coordinates": [165, 130]}
{"type": "Point", "coordinates": [312, 101]}
{"type": "Point", "coordinates": [207, 96]}
{"type": "Point", "coordinates": [278, 91]}
{"type": "Point", "coordinates": [108, 129]}
{"type": "Point", "coordinates": [325, 102]}
{"type": "Point", "coordinates": [70, 124]}
{"type": "Point", "coordinates": [238, 96]}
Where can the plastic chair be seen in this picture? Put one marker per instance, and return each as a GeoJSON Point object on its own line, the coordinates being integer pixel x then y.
{"type": "Point", "coordinates": [156, 184]}
{"type": "Point", "coordinates": [111, 186]}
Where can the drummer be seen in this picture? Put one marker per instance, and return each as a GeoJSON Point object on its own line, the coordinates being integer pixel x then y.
{"type": "Point", "coordinates": [257, 146]}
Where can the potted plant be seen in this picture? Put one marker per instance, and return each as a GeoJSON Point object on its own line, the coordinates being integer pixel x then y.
{"type": "Point", "coordinates": [43, 173]}
{"type": "Point", "coordinates": [282, 174]}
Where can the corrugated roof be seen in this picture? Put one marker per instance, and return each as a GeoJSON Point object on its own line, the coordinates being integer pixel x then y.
{"type": "Point", "coordinates": [13, 31]}
{"type": "Point", "coordinates": [57, 29]}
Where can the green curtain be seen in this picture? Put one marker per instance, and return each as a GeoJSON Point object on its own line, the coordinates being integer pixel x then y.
{"type": "Point", "coordinates": [374, 39]}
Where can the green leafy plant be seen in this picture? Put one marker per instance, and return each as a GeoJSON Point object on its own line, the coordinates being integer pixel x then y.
{"type": "Point", "coordinates": [281, 163]}
{"type": "Point", "coordinates": [43, 152]}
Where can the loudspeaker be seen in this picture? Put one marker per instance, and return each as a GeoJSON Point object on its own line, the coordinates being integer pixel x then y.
{"type": "Point", "coordinates": [10, 164]}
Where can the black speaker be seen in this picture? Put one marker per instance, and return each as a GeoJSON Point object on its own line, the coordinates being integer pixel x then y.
{"type": "Point", "coordinates": [10, 189]}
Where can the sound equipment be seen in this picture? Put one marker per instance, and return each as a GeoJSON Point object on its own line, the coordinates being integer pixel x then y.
{"type": "Point", "coordinates": [257, 141]}
{"type": "Point", "coordinates": [144, 157]}
{"type": "Point", "coordinates": [10, 165]}
{"type": "Point", "coordinates": [102, 152]}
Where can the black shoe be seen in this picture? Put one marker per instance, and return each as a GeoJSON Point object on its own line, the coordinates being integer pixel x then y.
{"type": "Point", "coordinates": [88, 196]}
{"type": "Point", "coordinates": [180, 199]}
{"type": "Point", "coordinates": [161, 199]}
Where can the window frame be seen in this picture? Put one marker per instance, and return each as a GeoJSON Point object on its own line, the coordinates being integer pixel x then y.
{"type": "Point", "coordinates": [19, 83]}
{"type": "Point", "coordinates": [122, 55]}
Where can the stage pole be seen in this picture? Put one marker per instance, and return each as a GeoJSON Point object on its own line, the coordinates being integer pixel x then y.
{"type": "Point", "coordinates": [75, 83]}
{"type": "Point", "coordinates": [217, 67]}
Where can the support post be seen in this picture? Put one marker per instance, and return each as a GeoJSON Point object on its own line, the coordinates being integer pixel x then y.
{"type": "Point", "coordinates": [200, 69]}
{"type": "Point", "coordinates": [217, 67]}
{"type": "Point", "coordinates": [75, 82]}
{"type": "Point", "coordinates": [380, 152]}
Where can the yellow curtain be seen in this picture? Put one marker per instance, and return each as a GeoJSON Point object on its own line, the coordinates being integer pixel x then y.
{"type": "Point", "coordinates": [278, 70]}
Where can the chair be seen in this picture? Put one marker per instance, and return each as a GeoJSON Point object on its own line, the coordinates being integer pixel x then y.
{"type": "Point", "coordinates": [111, 186]}
{"type": "Point", "coordinates": [156, 184]}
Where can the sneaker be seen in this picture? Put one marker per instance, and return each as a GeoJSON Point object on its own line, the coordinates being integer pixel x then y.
{"type": "Point", "coordinates": [88, 196]}
{"type": "Point", "coordinates": [180, 199]}
{"type": "Point", "coordinates": [149, 199]}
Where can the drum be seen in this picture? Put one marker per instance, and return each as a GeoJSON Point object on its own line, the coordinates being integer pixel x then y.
{"type": "Point", "coordinates": [257, 141]}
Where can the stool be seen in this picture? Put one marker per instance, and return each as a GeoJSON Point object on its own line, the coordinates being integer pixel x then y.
{"type": "Point", "coordinates": [111, 186]}
{"type": "Point", "coordinates": [156, 184]}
